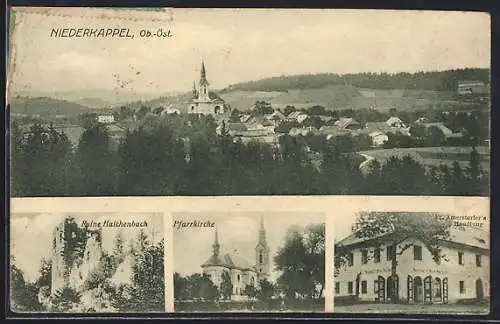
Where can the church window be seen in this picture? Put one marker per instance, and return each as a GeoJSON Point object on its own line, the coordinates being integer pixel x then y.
{"type": "Point", "coordinates": [260, 258]}
{"type": "Point", "coordinates": [205, 90]}
{"type": "Point", "coordinates": [239, 278]}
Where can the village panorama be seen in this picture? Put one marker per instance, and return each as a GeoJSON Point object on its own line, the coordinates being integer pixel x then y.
{"type": "Point", "coordinates": [422, 133]}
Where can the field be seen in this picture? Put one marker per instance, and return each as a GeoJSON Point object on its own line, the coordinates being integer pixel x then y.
{"type": "Point", "coordinates": [340, 97]}
{"type": "Point", "coordinates": [433, 156]}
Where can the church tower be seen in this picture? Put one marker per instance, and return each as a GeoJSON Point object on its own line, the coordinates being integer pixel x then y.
{"type": "Point", "coordinates": [203, 91]}
{"type": "Point", "coordinates": [262, 254]}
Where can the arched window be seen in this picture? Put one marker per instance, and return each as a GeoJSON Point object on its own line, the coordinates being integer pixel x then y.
{"type": "Point", "coordinates": [238, 277]}
{"type": "Point", "coordinates": [260, 258]}
{"type": "Point", "coordinates": [437, 295]}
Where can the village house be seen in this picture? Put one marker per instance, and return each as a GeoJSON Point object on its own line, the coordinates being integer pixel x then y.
{"type": "Point", "coordinates": [105, 118]}
{"type": "Point", "coordinates": [461, 274]}
{"type": "Point", "coordinates": [297, 116]}
{"type": "Point", "coordinates": [471, 87]}
{"type": "Point", "coordinates": [347, 123]}
{"type": "Point", "coordinates": [395, 122]}
{"type": "Point", "coordinates": [378, 138]}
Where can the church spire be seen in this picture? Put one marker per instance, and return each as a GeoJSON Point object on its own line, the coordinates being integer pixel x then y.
{"type": "Point", "coordinates": [262, 232]}
{"type": "Point", "coordinates": [216, 246]}
{"type": "Point", "coordinates": [195, 92]}
{"type": "Point", "coordinates": [203, 76]}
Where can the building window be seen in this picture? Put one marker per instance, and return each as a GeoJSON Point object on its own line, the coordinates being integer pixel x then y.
{"type": "Point", "coordinates": [461, 286]}
{"type": "Point", "coordinates": [375, 286]}
{"type": "Point", "coordinates": [349, 287]}
{"type": "Point", "coordinates": [460, 258]}
{"type": "Point", "coordinates": [478, 260]}
{"type": "Point", "coordinates": [337, 287]}
{"type": "Point", "coordinates": [376, 255]}
{"type": "Point", "coordinates": [260, 257]}
{"type": "Point", "coordinates": [364, 256]}
{"type": "Point", "coordinates": [417, 252]}
{"type": "Point", "coordinates": [238, 278]}
{"type": "Point", "coordinates": [364, 287]}
{"type": "Point", "coordinates": [390, 252]}
{"type": "Point", "coordinates": [437, 288]}
{"type": "Point", "coordinates": [350, 259]}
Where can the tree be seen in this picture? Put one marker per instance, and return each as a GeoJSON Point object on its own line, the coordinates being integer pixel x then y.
{"type": "Point", "coordinates": [65, 300]}
{"type": "Point", "coordinates": [473, 172]}
{"type": "Point", "coordinates": [45, 273]}
{"type": "Point", "coordinates": [266, 290]}
{"type": "Point", "coordinates": [226, 286]}
{"type": "Point", "coordinates": [42, 162]}
{"type": "Point", "coordinates": [147, 289]}
{"type": "Point", "coordinates": [250, 291]}
{"type": "Point", "coordinates": [95, 162]}
{"type": "Point", "coordinates": [288, 110]}
{"type": "Point", "coordinates": [300, 261]}
{"type": "Point", "coordinates": [395, 229]}
{"type": "Point", "coordinates": [23, 294]}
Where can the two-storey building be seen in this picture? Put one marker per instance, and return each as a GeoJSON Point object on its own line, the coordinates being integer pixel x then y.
{"type": "Point", "coordinates": [460, 272]}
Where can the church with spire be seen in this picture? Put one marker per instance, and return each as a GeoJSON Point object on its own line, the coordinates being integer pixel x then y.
{"type": "Point", "coordinates": [204, 101]}
{"type": "Point", "coordinates": [241, 271]}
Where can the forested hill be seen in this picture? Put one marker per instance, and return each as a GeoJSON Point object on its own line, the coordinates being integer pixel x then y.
{"type": "Point", "coordinates": [436, 80]}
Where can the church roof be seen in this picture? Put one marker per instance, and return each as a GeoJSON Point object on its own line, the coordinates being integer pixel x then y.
{"type": "Point", "coordinates": [233, 261]}
{"type": "Point", "coordinates": [217, 260]}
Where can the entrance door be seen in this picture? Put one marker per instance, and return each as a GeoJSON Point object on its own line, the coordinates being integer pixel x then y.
{"type": "Point", "coordinates": [381, 289]}
{"type": "Point", "coordinates": [428, 290]}
{"type": "Point", "coordinates": [479, 289]}
{"type": "Point", "coordinates": [418, 290]}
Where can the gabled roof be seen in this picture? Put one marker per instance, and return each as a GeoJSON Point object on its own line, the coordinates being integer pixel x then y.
{"type": "Point", "coordinates": [344, 122]}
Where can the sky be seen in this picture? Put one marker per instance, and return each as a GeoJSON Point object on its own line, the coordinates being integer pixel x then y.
{"type": "Point", "coordinates": [239, 45]}
{"type": "Point", "coordinates": [31, 234]}
{"type": "Point", "coordinates": [237, 232]}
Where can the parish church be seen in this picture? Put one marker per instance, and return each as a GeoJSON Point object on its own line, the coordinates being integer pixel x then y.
{"type": "Point", "coordinates": [204, 101]}
{"type": "Point", "coordinates": [241, 271]}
